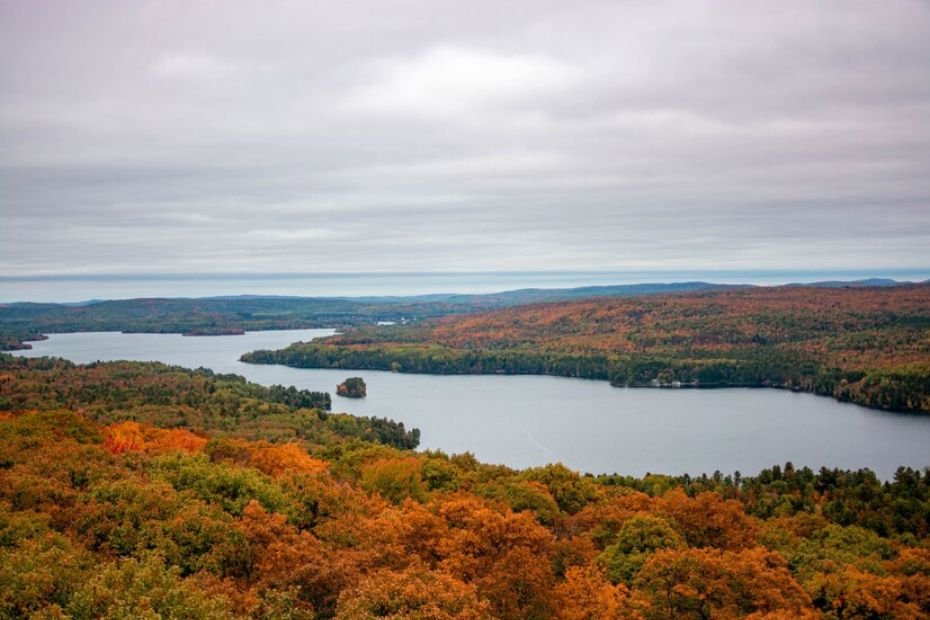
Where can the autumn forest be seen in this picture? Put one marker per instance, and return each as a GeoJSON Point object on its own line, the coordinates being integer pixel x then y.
{"type": "Point", "coordinates": [419, 310]}
{"type": "Point", "coordinates": [864, 345]}
{"type": "Point", "coordinates": [131, 489]}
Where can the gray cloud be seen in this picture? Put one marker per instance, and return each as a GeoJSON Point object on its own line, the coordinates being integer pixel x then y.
{"type": "Point", "coordinates": [358, 136]}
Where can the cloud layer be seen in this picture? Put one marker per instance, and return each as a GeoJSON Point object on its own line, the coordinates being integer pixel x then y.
{"type": "Point", "coordinates": [159, 136]}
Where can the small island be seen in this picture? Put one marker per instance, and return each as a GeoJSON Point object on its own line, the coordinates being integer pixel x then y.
{"type": "Point", "coordinates": [353, 387]}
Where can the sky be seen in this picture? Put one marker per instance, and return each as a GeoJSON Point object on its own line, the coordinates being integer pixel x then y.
{"type": "Point", "coordinates": [178, 137]}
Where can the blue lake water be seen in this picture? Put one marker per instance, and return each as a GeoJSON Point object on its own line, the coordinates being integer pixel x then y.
{"type": "Point", "coordinates": [523, 421]}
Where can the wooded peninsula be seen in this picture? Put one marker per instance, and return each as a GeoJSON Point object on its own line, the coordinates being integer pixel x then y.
{"type": "Point", "coordinates": [866, 345]}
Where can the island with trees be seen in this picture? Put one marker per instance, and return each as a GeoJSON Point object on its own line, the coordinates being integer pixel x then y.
{"type": "Point", "coordinates": [353, 387]}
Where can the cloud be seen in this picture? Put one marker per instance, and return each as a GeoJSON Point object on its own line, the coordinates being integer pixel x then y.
{"type": "Point", "coordinates": [191, 66]}
{"type": "Point", "coordinates": [445, 81]}
{"type": "Point", "coordinates": [409, 135]}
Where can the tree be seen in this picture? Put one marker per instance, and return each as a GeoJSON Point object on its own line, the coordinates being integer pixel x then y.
{"type": "Point", "coordinates": [587, 595]}
{"type": "Point", "coordinates": [353, 387]}
{"type": "Point", "coordinates": [411, 594]}
{"type": "Point", "coordinates": [395, 479]}
{"type": "Point", "coordinates": [636, 541]}
{"type": "Point", "coordinates": [703, 583]}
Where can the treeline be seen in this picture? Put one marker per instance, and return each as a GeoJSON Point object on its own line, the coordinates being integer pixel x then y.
{"type": "Point", "coordinates": [21, 322]}
{"type": "Point", "coordinates": [753, 368]}
{"type": "Point", "coordinates": [169, 397]}
{"type": "Point", "coordinates": [906, 388]}
{"type": "Point", "coordinates": [899, 507]}
{"type": "Point", "coordinates": [433, 360]}
{"type": "Point", "coordinates": [867, 346]}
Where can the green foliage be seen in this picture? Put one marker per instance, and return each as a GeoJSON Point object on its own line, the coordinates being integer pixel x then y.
{"type": "Point", "coordinates": [439, 474]}
{"type": "Point", "coordinates": [39, 573]}
{"type": "Point", "coordinates": [897, 507]}
{"type": "Point", "coordinates": [836, 545]}
{"type": "Point", "coordinates": [143, 588]}
{"type": "Point", "coordinates": [225, 485]}
{"type": "Point", "coordinates": [569, 490]}
{"type": "Point", "coordinates": [639, 538]}
{"type": "Point", "coordinates": [522, 495]}
{"type": "Point", "coordinates": [395, 479]}
{"type": "Point", "coordinates": [380, 430]}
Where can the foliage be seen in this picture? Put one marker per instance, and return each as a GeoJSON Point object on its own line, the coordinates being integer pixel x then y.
{"type": "Point", "coordinates": [414, 594]}
{"type": "Point", "coordinates": [353, 387]}
{"type": "Point", "coordinates": [104, 516]}
{"type": "Point", "coordinates": [21, 322]}
{"type": "Point", "coordinates": [200, 401]}
{"type": "Point", "coordinates": [865, 345]}
{"type": "Point", "coordinates": [637, 540]}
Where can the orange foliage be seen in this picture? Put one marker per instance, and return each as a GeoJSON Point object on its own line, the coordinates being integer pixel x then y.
{"type": "Point", "coordinates": [133, 437]}
{"type": "Point", "coordinates": [278, 459]}
{"type": "Point", "coordinates": [912, 566]}
{"type": "Point", "coordinates": [500, 552]}
{"type": "Point", "coordinates": [285, 558]}
{"type": "Point", "coordinates": [602, 521]}
{"type": "Point", "coordinates": [325, 545]}
{"type": "Point", "coordinates": [587, 595]}
{"type": "Point", "coordinates": [123, 437]}
{"type": "Point", "coordinates": [782, 614]}
{"type": "Point", "coordinates": [715, 320]}
{"type": "Point", "coordinates": [702, 583]}
{"type": "Point", "coordinates": [708, 520]}
{"type": "Point", "coordinates": [411, 593]}
{"type": "Point", "coordinates": [272, 459]}
{"type": "Point", "coordinates": [852, 593]}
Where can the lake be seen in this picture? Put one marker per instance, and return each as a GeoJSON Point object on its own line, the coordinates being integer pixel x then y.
{"type": "Point", "coordinates": [522, 421]}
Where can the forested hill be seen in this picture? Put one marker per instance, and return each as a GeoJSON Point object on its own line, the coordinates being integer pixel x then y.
{"type": "Point", "coordinates": [20, 322]}
{"type": "Point", "coordinates": [135, 490]}
{"type": "Point", "coordinates": [867, 345]}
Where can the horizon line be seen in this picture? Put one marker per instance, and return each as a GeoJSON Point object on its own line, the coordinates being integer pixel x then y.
{"type": "Point", "coordinates": [95, 276]}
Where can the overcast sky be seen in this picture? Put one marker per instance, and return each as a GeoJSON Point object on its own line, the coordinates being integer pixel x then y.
{"type": "Point", "coordinates": [141, 136]}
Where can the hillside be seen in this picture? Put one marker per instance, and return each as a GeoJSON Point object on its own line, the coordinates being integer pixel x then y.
{"type": "Point", "coordinates": [869, 345]}
{"type": "Point", "coordinates": [21, 322]}
{"type": "Point", "coordinates": [134, 490]}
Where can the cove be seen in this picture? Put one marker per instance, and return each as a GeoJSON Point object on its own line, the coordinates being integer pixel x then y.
{"type": "Point", "coordinates": [524, 421]}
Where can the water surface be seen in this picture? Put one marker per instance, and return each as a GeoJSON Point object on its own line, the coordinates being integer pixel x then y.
{"type": "Point", "coordinates": [590, 426]}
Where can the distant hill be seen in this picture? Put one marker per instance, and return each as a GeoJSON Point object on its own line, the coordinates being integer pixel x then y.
{"type": "Point", "coordinates": [535, 295]}
{"type": "Point", "coordinates": [22, 321]}
{"type": "Point", "coordinates": [852, 283]}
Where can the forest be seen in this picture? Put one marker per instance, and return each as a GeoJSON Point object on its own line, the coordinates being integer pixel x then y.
{"type": "Point", "coordinates": [22, 321]}
{"type": "Point", "coordinates": [866, 345]}
{"type": "Point", "coordinates": [137, 490]}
